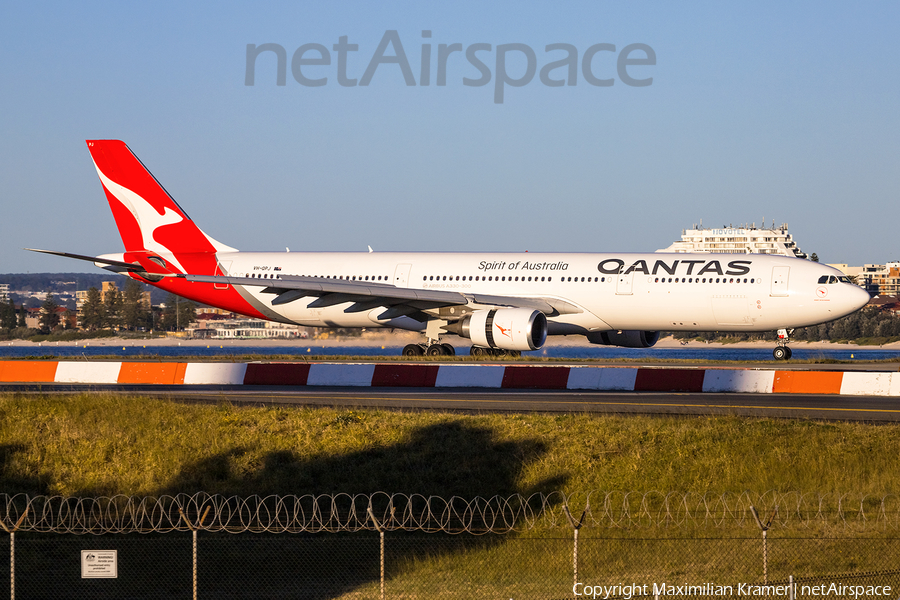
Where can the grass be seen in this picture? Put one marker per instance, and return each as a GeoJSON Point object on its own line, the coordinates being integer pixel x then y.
{"type": "Point", "coordinates": [99, 444]}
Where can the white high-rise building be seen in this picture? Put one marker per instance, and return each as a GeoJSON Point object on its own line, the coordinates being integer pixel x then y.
{"type": "Point", "coordinates": [737, 240]}
{"type": "Point", "coordinates": [4, 293]}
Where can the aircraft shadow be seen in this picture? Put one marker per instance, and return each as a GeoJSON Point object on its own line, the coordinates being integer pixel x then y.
{"type": "Point", "coordinates": [446, 459]}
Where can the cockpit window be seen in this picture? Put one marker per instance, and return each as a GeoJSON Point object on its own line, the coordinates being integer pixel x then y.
{"type": "Point", "coordinates": [832, 279]}
{"type": "Point", "coordinates": [845, 279]}
{"type": "Point", "coordinates": [823, 279]}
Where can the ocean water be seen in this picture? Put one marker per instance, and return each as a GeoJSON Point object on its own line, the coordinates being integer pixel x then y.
{"type": "Point", "coordinates": [305, 350]}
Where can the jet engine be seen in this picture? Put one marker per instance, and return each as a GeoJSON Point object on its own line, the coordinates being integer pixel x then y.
{"type": "Point", "coordinates": [506, 328]}
{"type": "Point", "coordinates": [624, 339]}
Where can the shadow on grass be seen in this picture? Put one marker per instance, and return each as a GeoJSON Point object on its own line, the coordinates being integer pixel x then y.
{"type": "Point", "coordinates": [446, 459]}
{"type": "Point", "coordinates": [13, 482]}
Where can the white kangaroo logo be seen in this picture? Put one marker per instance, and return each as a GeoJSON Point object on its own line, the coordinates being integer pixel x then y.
{"type": "Point", "coordinates": [148, 219]}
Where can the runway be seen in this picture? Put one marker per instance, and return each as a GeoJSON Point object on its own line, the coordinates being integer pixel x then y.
{"type": "Point", "coordinates": [794, 406]}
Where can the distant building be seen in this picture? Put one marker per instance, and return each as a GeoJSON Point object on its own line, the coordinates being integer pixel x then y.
{"type": "Point", "coordinates": [212, 326]}
{"type": "Point", "coordinates": [105, 287]}
{"type": "Point", "coordinates": [849, 271]}
{"type": "Point", "coordinates": [737, 240]}
{"type": "Point", "coordinates": [33, 317]}
{"type": "Point", "coordinates": [4, 293]}
{"type": "Point", "coordinates": [879, 280]}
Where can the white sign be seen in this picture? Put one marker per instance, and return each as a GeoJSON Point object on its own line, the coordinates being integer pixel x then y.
{"type": "Point", "coordinates": [99, 563]}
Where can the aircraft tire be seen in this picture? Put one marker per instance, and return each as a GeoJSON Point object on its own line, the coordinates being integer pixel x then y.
{"type": "Point", "coordinates": [436, 350]}
{"type": "Point", "coordinates": [781, 353]}
{"type": "Point", "coordinates": [412, 350]}
{"type": "Point", "coordinates": [449, 350]}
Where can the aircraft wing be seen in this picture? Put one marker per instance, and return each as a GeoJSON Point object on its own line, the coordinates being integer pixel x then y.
{"type": "Point", "coordinates": [368, 295]}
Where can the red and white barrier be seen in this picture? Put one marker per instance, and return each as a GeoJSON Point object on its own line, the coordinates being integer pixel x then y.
{"type": "Point", "coordinates": [519, 376]}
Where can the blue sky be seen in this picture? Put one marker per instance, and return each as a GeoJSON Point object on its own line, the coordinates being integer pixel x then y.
{"type": "Point", "coordinates": [756, 110]}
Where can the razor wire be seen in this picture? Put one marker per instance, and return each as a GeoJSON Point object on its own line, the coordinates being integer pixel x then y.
{"type": "Point", "coordinates": [334, 513]}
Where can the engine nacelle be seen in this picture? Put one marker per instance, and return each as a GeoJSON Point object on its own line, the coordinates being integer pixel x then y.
{"type": "Point", "coordinates": [624, 339]}
{"type": "Point", "coordinates": [506, 328]}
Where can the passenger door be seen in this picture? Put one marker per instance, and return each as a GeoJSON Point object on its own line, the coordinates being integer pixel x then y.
{"type": "Point", "coordinates": [780, 277]}
{"type": "Point", "coordinates": [624, 283]}
{"type": "Point", "coordinates": [401, 275]}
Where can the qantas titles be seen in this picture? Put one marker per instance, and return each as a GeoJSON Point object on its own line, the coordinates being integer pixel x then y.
{"type": "Point", "coordinates": [612, 266]}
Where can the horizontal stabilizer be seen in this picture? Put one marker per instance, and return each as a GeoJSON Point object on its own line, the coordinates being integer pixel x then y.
{"type": "Point", "coordinates": [120, 265]}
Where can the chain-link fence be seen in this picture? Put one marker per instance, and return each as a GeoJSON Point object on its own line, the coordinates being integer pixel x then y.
{"type": "Point", "coordinates": [400, 546]}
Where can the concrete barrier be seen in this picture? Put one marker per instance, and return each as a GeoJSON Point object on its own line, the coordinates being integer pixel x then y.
{"type": "Point", "coordinates": [431, 375]}
{"type": "Point", "coordinates": [88, 372]}
{"type": "Point", "coordinates": [750, 381]}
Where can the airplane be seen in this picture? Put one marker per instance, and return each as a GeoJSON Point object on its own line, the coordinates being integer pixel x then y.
{"type": "Point", "coordinates": [503, 303]}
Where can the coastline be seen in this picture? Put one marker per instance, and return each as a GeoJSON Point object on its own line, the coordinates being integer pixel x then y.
{"type": "Point", "coordinates": [401, 338]}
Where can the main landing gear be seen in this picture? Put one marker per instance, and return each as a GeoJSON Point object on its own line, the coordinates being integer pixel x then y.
{"type": "Point", "coordinates": [439, 349]}
{"type": "Point", "coordinates": [435, 349]}
{"type": "Point", "coordinates": [432, 345]}
{"type": "Point", "coordinates": [782, 351]}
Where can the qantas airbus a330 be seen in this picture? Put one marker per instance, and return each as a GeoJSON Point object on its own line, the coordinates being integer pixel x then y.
{"type": "Point", "coordinates": [503, 303]}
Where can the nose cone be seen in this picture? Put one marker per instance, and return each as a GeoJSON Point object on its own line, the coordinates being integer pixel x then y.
{"type": "Point", "coordinates": [856, 298]}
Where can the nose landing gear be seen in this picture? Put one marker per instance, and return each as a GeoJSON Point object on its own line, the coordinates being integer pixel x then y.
{"type": "Point", "coordinates": [782, 351]}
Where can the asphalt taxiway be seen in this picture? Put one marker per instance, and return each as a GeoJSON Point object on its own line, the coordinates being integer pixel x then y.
{"type": "Point", "coordinates": [793, 406]}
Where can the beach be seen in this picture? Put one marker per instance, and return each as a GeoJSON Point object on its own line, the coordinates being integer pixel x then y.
{"type": "Point", "coordinates": [401, 338]}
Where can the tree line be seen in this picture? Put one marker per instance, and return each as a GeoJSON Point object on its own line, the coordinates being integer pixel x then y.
{"type": "Point", "coordinates": [113, 310]}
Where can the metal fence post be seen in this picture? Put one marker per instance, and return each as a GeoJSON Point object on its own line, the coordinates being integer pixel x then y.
{"type": "Point", "coordinates": [194, 529]}
{"type": "Point", "coordinates": [764, 528]}
{"type": "Point", "coordinates": [381, 536]}
{"type": "Point", "coordinates": [576, 525]}
{"type": "Point", "coordinates": [12, 551]}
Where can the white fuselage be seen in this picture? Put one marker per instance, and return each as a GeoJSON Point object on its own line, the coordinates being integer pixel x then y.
{"type": "Point", "coordinates": [671, 292]}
